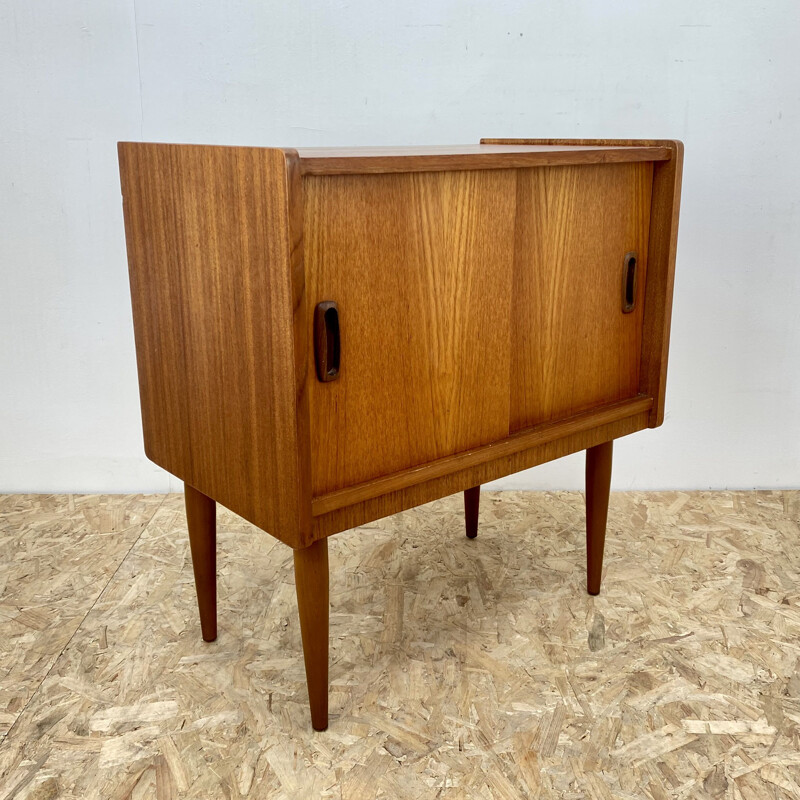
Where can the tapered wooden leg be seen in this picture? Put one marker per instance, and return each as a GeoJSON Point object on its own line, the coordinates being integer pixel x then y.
{"type": "Point", "coordinates": [201, 515]}
{"type": "Point", "coordinates": [472, 501]}
{"type": "Point", "coordinates": [311, 582]}
{"type": "Point", "coordinates": [598, 486]}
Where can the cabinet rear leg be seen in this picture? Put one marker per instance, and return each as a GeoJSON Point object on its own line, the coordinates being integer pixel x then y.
{"type": "Point", "coordinates": [472, 501]}
{"type": "Point", "coordinates": [598, 486]}
{"type": "Point", "coordinates": [201, 516]}
{"type": "Point", "coordinates": [311, 583]}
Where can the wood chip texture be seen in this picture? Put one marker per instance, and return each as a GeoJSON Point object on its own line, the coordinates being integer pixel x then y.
{"type": "Point", "coordinates": [459, 668]}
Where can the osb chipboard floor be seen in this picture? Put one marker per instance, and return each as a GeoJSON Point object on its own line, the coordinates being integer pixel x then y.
{"type": "Point", "coordinates": [459, 669]}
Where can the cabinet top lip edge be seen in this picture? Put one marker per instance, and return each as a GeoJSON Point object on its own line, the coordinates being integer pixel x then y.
{"type": "Point", "coordinates": [335, 160]}
{"type": "Point", "coordinates": [489, 154]}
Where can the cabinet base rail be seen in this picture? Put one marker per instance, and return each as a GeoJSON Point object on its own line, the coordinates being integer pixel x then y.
{"type": "Point", "coordinates": [523, 440]}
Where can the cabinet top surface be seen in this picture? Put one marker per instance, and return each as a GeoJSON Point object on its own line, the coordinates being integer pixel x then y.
{"type": "Point", "coordinates": [439, 158]}
{"type": "Point", "coordinates": [341, 160]}
{"type": "Point", "coordinates": [404, 151]}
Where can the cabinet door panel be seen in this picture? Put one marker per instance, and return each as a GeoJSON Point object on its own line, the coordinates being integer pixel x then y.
{"type": "Point", "coordinates": [420, 265]}
{"type": "Point", "coordinates": [572, 347]}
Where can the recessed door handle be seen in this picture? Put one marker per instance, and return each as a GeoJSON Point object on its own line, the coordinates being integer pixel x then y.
{"type": "Point", "coordinates": [629, 282]}
{"type": "Point", "coordinates": [327, 341]}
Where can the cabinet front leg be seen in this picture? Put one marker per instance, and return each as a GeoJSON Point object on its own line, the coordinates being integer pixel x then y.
{"type": "Point", "coordinates": [201, 516]}
{"type": "Point", "coordinates": [598, 486]}
{"type": "Point", "coordinates": [311, 583]}
{"type": "Point", "coordinates": [472, 501]}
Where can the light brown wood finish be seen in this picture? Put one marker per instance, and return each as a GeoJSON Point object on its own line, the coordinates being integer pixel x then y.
{"type": "Point", "coordinates": [311, 583]}
{"type": "Point", "coordinates": [461, 478]}
{"type": "Point", "coordinates": [301, 335]}
{"type": "Point", "coordinates": [667, 178]}
{"type": "Point", "coordinates": [424, 321]}
{"type": "Point", "coordinates": [494, 452]}
{"type": "Point", "coordinates": [572, 346]}
{"type": "Point", "coordinates": [431, 351]}
{"type": "Point", "coordinates": [201, 519]}
{"type": "Point", "coordinates": [362, 160]}
{"type": "Point", "coordinates": [598, 486]}
{"type": "Point", "coordinates": [482, 333]}
{"type": "Point", "coordinates": [662, 248]}
{"type": "Point", "coordinates": [211, 269]}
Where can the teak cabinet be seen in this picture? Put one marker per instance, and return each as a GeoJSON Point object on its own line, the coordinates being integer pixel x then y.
{"type": "Point", "coordinates": [328, 336]}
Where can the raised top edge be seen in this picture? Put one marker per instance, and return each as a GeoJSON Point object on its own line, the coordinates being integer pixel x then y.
{"type": "Point", "coordinates": [498, 154]}
{"type": "Point", "coordinates": [343, 160]}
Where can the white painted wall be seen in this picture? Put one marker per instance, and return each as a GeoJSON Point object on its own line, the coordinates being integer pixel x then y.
{"type": "Point", "coordinates": [78, 76]}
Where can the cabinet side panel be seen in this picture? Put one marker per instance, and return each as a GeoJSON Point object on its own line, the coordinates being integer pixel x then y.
{"type": "Point", "coordinates": [210, 261]}
{"type": "Point", "coordinates": [667, 176]}
{"type": "Point", "coordinates": [573, 348]}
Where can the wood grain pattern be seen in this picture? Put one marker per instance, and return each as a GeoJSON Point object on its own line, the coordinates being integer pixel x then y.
{"type": "Point", "coordinates": [572, 346]}
{"type": "Point", "coordinates": [211, 269]}
{"type": "Point", "coordinates": [463, 477]}
{"type": "Point", "coordinates": [361, 160]}
{"type": "Point", "coordinates": [301, 337]}
{"type": "Point", "coordinates": [442, 354]}
{"type": "Point", "coordinates": [662, 248]}
{"type": "Point", "coordinates": [494, 451]}
{"type": "Point", "coordinates": [192, 209]}
{"type": "Point", "coordinates": [420, 267]}
{"type": "Point", "coordinates": [481, 330]}
{"type": "Point", "coordinates": [667, 177]}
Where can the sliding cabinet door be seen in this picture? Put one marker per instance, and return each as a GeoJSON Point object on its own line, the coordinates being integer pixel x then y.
{"type": "Point", "coordinates": [573, 346]}
{"type": "Point", "coordinates": [420, 266]}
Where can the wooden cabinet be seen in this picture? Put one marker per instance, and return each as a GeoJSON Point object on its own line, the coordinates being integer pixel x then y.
{"type": "Point", "coordinates": [328, 336]}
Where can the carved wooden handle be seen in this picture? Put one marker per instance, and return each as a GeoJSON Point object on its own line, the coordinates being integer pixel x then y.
{"type": "Point", "coordinates": [629, 282]}
{"type": "Point", "coordinates": [327, 343]}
